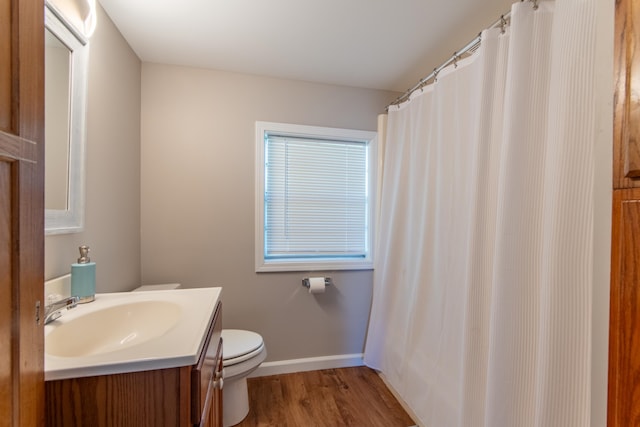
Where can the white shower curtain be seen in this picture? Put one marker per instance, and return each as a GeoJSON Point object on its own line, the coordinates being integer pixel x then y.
{"type": "Point", "coordinates": [481, 309]}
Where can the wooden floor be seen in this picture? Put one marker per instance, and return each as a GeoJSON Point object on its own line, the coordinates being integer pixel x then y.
{"type": "Point", "coordinates": [331, 398]}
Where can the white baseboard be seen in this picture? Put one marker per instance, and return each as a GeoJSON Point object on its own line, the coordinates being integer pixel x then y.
{"type": "Point", "coordinates": [308, 364]}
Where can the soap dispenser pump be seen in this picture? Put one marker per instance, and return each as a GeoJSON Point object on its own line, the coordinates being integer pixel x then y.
{"type": "Point", "coordinates": [83, 277]}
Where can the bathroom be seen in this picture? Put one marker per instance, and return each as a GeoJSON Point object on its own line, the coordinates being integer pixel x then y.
{"type": "Point", "coordinates": [170, 197]}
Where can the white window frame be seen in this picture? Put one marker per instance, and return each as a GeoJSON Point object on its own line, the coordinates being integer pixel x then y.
{"type": "Point", "coordinates": [368, 137]}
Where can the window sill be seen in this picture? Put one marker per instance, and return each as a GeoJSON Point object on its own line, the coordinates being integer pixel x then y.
{"type": "Point", "coordinates": [306, 265]}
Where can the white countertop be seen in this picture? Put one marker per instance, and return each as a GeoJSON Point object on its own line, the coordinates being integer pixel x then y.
{"type": "Point", "coordinates": [179, 346]}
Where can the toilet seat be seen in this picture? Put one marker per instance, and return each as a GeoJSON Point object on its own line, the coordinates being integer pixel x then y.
{"type": "Point", "coordinates": [239, 346]}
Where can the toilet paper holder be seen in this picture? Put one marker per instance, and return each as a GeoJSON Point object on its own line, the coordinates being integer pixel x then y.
{"type": "Point", "coordinates": [306, 284]}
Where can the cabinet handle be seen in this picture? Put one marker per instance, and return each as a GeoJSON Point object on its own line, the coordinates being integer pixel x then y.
{"type": "Point", "coordinates": [219, 374]}
{"type": "Point", "coordinates": [218, 384]}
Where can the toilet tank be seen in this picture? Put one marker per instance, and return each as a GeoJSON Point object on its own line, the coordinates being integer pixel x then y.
{"type": "Point", "coordinates": [160, 287]}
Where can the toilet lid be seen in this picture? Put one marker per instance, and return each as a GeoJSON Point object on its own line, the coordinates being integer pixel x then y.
{"type": "Point", "coordinates": [238, 343]}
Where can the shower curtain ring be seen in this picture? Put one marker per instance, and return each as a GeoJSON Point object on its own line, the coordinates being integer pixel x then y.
{"type": "Point", "coordinates": [503, 24]}
{"type": "Point", "coordinates": [535, 4]}
{"type": "Point", "coordinates": [455, 59]}
{"type": "Point", "coordinates": [435, 74]}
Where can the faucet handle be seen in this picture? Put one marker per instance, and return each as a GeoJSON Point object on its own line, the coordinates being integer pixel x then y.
{"type": "Point", "coordinates": [53, 316]}
{"type": "Point", "coordinates": [72, 301]}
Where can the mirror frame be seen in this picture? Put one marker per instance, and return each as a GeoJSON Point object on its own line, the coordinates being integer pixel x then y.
{"type": "Point", "coordinates": [71, 220]}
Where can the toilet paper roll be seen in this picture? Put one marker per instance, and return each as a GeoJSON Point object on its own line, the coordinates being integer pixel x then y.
{"type": "Point", "coordinates": [316, 285]}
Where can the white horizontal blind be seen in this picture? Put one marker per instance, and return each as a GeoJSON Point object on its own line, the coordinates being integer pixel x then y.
{"type": "Point", "coordinates": [316, 198]}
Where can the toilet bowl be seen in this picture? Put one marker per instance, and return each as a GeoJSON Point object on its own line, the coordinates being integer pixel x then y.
{"type": "Point", "coordinates": [243, 352]}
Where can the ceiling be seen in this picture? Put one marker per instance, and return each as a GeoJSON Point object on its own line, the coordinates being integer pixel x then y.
{"type": "Point", "coordinates": [377, 44]}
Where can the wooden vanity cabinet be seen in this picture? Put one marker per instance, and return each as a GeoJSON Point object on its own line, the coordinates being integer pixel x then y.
{"type": "Point", "coordinates": [182, 396]}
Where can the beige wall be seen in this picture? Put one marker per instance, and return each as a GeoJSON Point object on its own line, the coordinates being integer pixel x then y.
{"type": "Point", "coordinates": [198, 172]}
{"type": "Point", "coordinates": [112, 215]}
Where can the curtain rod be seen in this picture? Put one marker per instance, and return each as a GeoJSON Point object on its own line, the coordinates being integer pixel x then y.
{"type": "Point", "coordinates": [470, 47]}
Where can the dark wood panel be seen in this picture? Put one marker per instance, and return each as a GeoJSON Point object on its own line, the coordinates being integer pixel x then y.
{"type": "Point", "coordinates": [28, 217]}
{"type": "Point", "coordinates": [150, 398]}
{"type": "Point", "coordinates": [632, 100]}
{"type": "Point", "coordinates": [6, 296]}
{"type": "Point", "coordinates": [30, 71]}
{"type": "Point", "coordinates": [624, 338]}
{"type": "Point", "coordinates": [332, 397]}
{"type": "Point", "coordinates": [6, 63]}
{"type": "Point", "coordinates": [626, 96]}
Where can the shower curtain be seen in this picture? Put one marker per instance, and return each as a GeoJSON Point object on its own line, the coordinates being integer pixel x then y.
{"type": "Point", "coordinates": [481, 311]}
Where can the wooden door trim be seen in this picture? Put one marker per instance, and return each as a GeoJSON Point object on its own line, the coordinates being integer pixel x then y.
{"type": "Point", "coordinates": [22, 152]}
{"type": "Point", "coordinates": [614, 307]}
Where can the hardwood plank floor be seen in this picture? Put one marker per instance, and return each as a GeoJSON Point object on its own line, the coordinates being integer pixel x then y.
{"type": "Point", "coordinates": [327, 398]}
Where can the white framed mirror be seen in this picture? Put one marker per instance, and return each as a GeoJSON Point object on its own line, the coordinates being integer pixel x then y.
{"type": "Point", "coordinates": [66, 68]}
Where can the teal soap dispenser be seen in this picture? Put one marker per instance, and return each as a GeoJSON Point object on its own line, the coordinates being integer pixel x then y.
{"type": "Point", "coordinates": [83, 277]}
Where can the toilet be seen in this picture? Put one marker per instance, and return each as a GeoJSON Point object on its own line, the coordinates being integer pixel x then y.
{"type": "Point", "coordinates": [242, 352]}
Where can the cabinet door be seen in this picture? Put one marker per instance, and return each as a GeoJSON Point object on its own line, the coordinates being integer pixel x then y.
{"type": "Point", "coordinates": [206, 376]}
{"type": "Point", "coordinates": [626, 150]}
{"type": "Point", "coordinates": [21, 212]}
{"type": "Point", "coordinates": [624, 337]}
{"type": "Point", "coordinates": [212, 413]}
{"type": "Point", "coordinates": [215, 418]}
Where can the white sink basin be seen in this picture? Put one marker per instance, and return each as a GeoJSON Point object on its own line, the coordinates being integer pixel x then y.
{"type": "Point", "coordinates": [129, 331]}
{"type": "Point", "coordinates": [112, 328]}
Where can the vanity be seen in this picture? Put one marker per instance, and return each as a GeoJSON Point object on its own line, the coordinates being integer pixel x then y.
{"type": "Point", "coordinates": [137, 359]}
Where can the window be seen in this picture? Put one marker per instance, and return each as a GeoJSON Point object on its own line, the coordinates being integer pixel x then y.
{"type": "Point", "coordinates": [315, 198]}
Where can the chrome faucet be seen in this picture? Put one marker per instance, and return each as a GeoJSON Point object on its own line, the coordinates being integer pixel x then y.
{"type": "Point", "coordinates": [54, 310]}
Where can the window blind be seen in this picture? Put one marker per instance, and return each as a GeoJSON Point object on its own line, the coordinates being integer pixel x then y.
{"type": "Point", "coordinates": [316, 198]}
